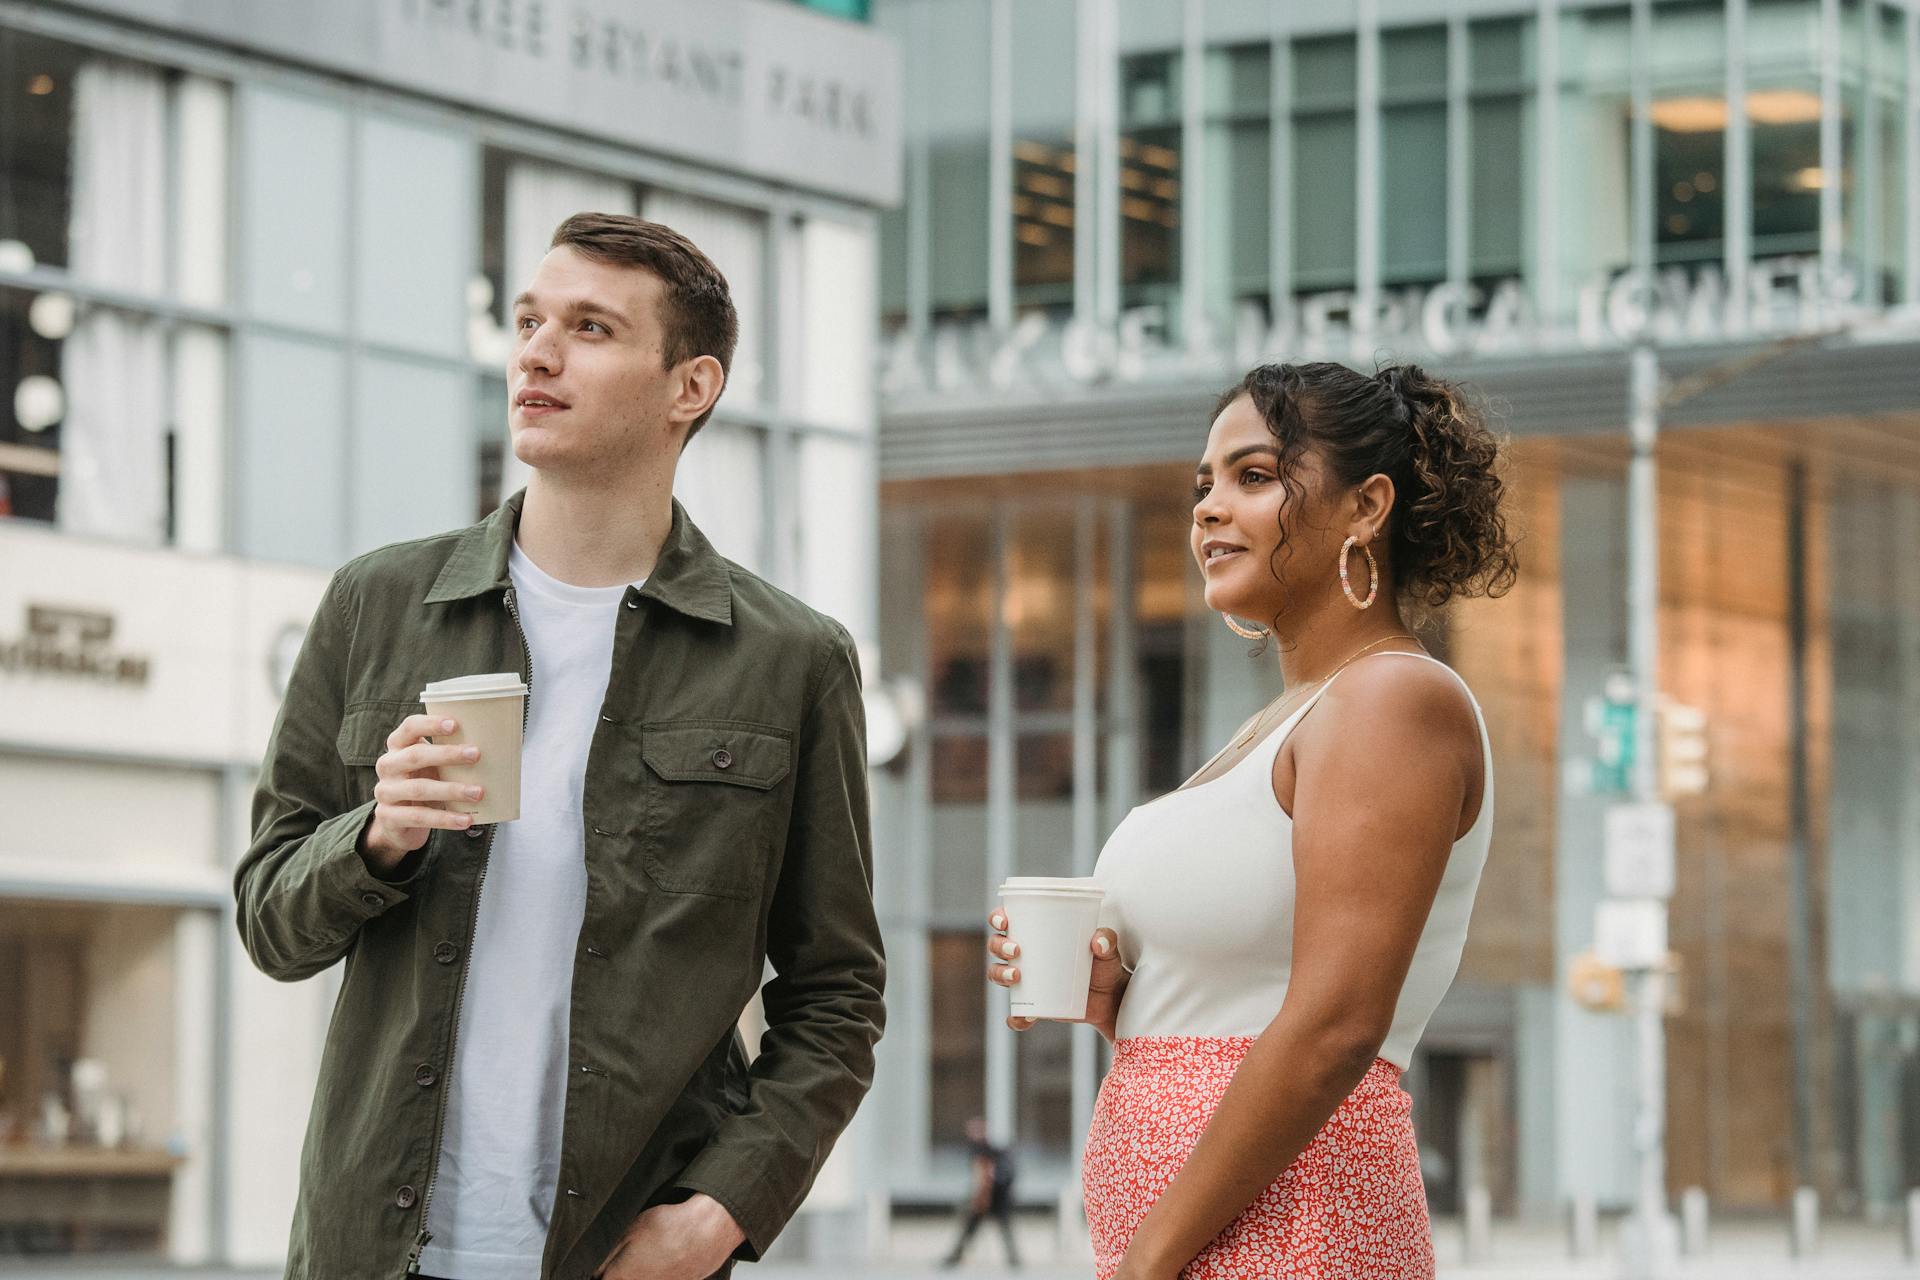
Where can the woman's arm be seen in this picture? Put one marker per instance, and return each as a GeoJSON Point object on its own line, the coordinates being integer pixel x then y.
{"type": "Point", "coordinates": [1384, 770]}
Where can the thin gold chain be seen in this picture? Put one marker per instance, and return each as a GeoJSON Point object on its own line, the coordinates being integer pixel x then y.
{"type": "Point", "coordinates": [1260, 721]}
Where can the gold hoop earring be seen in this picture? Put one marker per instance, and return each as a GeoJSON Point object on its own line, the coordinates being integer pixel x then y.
{"type": "Point", "coordinates": [1245, 633]}
{"type": "Point", "coordinates": [1373, 570]}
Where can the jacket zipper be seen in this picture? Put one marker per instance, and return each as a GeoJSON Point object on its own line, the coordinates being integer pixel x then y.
{"type": "Point", "coordinates": [460, 996]}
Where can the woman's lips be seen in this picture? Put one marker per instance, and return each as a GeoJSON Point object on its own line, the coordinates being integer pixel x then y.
{"type": "Point", "coordinates": [1221, 558]}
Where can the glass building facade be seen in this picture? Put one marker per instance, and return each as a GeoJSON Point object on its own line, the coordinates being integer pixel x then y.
{"type": "Point", "coordinates": [253, 289]}
{"type": "Point", "coordinates": [1114, 207]}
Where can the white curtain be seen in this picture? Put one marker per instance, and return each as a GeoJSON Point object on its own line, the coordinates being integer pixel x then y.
{"type": "Point", "coordinates": [112, 442]}
{"type": "Point", "coordinates": [736, 241]}
{"type": "Point", "coordinates": [539, 198]}
{"type": "Point", "coordinates": [721, 482]}
{"type": "Point", "coordinates": [721, 479]}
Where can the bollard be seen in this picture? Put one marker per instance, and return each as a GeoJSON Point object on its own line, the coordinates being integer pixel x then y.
{"type": "Point", "coordinates": [1069, 1225]}
{"type": "Point", "coordinates": [1479, 1224]}
{"type": "Point", "coordinates": [1693, 1222]}
{"type": "Point", "coordinates": [1583, 1234]}
{"type": "Point", "coordinates": [1806, 1222]}
{"type": "Point", "coordinates": [1913, 1225]}
{"type": "Point", "coordinates": [879, 1226]}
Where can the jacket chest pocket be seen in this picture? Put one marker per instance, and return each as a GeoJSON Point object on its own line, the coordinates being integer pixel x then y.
{"type": "Point", "coordinates": [362, 740]}
{"type": "Point", "coordinates": [713, 803]}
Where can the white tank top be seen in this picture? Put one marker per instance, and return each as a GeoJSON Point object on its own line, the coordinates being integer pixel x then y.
{"type": "Point", "coordinates": [1200, 889]}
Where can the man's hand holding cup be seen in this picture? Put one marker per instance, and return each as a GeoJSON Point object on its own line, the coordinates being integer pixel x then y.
{"type": "Point", "coordinates": [411, 798]}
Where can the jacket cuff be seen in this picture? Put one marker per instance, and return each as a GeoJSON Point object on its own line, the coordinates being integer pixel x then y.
{"type": "Point", "coordinates": [336, 847]}
{"type": "Point", "coordinates": [741, 1190]}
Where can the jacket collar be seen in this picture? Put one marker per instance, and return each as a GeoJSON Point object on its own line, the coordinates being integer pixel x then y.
{"type": "Point", "coordinates": [689, 576]}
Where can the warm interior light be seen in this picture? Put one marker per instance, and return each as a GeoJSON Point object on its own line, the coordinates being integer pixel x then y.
{"type": "Point", "coordinates": [41, 85]}
{"type": "Point", "coordinates": [1811, 178]}
{"type": "Point", "coordinates": [1159, 157]}
{"type": "Point", "coordinates": [1690, 115]}
{"type": "Point", "coordinates": [1783, 106]}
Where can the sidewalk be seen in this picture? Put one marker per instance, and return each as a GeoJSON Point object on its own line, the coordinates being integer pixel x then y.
{"type": "Point", "coordinates": [1737, 1251]}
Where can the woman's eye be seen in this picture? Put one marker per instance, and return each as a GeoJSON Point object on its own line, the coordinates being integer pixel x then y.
{"type": "Point", "coordinates": [1200, 491]}
{"type": "Point", "coordinates": [1252, 477]}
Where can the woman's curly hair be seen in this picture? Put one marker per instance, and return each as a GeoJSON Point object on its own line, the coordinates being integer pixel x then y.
{"type": "Point", "coordinates": [1446, 535]}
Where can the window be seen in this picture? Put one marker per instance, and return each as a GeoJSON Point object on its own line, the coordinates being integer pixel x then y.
{"type": "Point", "coordinates": [1689, 139]}
{"type": "Point", "coordinates": [1150, 178]}
{"type": "Point", "coordinates": [1783, 118]}
{"type": "Point", "coordinates": [1044, 158]}
{"type": "Point", "coordinates": [1413, 155]}
{"type": "Point", "coordinates": [1325, 135]}
{"type": "Point", "coordinates": [31, 329]}
{"type": "Point", "coordinates": [1239, 179]}
{"type": "Point", "coordinates": [955, 61]}
{"type": "Point", "coordinates": [37, 79]}
{"type": "Point", "coordinates": [1499, 147]}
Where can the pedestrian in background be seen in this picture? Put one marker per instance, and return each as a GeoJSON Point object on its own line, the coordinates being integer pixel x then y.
{"type": "Point", "coordinates": [992, 1171]}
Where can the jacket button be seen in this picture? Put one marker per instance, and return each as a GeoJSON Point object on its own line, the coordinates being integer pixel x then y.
{"type": "Point", "coordinates": [723, 759]}
{"type": "Point", "coordinates": [424, 1077]}
{"type": "Point", "coordinates": [445, 952]}
{"type": "Point", "coordinates": [633, 602]}
{"type": "Point", "coordinates": [372, 899]}
{"type": "Point", "coordinates": [474, 833]}
{"type": "Point", "coordinates": [406, 1197]}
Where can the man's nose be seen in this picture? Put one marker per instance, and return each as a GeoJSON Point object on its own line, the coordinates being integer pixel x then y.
{"type": "Point", "coordinates": [539, 353]}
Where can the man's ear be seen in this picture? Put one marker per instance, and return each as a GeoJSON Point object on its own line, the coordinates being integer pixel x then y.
{"type": "Point", "coordinates": [702, 379]}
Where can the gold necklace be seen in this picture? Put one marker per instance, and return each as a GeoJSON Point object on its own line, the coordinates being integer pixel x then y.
{"type": "Point", "coordinates": [1260, 721]}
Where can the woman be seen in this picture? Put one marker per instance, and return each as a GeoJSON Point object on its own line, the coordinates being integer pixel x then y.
{"type": "Point", "coordinates": [1285, 923]}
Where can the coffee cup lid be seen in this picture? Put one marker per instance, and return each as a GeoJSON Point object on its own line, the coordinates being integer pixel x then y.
{"type": "Point", "coordinates": [1052, 884]}
{"type": "Point", "coordinates": [467, 688]}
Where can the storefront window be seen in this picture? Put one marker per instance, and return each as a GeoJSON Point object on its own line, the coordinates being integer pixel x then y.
{"type": "Point", "coordinates": [88, 1022]}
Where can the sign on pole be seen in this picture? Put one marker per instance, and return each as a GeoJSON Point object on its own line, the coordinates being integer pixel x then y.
{"type": "Point", "coordinates": [1639, 851]}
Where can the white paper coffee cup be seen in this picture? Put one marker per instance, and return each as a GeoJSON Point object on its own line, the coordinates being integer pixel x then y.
{"type": "Point", "coordinates": [491, 712]}
{"type": "Point", "coordinates": [1054, 920]}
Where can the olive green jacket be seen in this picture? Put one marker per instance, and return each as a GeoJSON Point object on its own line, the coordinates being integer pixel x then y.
{"type": "Point", "coordinates": [726, 825]}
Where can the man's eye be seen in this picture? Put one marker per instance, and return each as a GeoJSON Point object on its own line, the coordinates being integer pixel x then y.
{"type": "Point", "coordinates": [594, 324]}
{"type": "Point", "coordinates": [523, 321]}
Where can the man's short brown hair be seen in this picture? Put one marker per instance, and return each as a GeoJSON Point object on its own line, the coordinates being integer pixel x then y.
{"type": "Point", "coordinates": [696, 313]}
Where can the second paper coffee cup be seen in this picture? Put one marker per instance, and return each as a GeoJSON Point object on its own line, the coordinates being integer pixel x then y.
{"type": "Point", "coordinates": [491, 711]}
{"type": "Point", "coordinates": [1054, 920]}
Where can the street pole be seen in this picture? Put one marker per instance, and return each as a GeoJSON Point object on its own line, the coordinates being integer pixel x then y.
{"type": "Point", "coordinates": [1651, 1245]}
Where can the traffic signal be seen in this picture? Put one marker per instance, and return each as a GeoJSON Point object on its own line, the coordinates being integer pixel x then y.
{"type": "Point", "coordinates": [1683, 749]}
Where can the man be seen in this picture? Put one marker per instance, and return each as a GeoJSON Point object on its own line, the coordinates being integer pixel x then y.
{"type": "Point", "coordinates": [991, 1195]}
{"type": "Point", "coordinates": [533, 1067]}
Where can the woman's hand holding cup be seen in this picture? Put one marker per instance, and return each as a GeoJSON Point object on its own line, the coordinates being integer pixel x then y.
{"type": "Point", "coordinates": [1105, 987]}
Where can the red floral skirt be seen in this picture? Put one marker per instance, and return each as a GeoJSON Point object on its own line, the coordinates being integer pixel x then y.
{"type": "Point", "coordinates": [1350, 1207]}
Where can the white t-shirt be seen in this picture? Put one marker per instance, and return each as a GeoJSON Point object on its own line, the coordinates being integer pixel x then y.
{"type": "Point", "coordinates": [500, 1153]}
